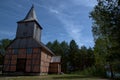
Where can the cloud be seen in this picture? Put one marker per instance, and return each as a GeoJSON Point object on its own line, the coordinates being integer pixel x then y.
{"type": "Point", "coordinates": [74, 30]}
{"type": "Point", "coordinates": [54, 11]}
{"type": "Point", "coordinates": [68, 16]}
{"type": "Point", "coordinates": [71, 27]}
{"type": "Point", "coordinates": [7, 33]}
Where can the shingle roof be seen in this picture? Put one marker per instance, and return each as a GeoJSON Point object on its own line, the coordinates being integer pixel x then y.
{"type": "Point", "coordinates": [56, 59]}
{"type": "Point", "coordinates": [28, 43]}
{"type": "Point", "coordinates": [31, 15]}
{"type": "Point", "coordinates": [46, 48]}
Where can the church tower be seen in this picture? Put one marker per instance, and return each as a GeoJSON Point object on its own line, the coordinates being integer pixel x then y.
{"type": "Point", "coordinates": [29, 26]}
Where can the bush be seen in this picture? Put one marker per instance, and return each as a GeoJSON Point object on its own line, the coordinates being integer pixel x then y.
{"type": "Point", "coordinates": [93, 71]}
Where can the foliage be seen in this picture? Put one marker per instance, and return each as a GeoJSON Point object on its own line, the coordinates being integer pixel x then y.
{"type": "Point", "coordinates": [73, 57]}
{"type": "Point", "coordinates": [60, 49]}
{"type": "Point", "coordinates": [100, 52]}
{"type": "Point", "coordinates": [106, 31]}
{"type": "Point", "coordinates": [92, 71]}
{"type": "Point", "coordinates": [3, 44]}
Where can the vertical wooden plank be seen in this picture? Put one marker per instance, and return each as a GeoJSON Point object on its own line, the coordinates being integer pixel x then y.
{"type": "Point", "coordinates": [10, 55]}
{"type": "Point", "coordinates": [39, 53]}
{"type": "Point", "coordinates": [32, 61]}
{"type": "Point", "coordinates": [28, 68]}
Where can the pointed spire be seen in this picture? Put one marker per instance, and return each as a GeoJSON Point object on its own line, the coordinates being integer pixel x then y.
{"type": "Point", "coordinates": [31, 15]}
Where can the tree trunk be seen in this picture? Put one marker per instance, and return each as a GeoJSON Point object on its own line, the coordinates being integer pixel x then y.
{"type": "Point", "coordinates": [111, 70]}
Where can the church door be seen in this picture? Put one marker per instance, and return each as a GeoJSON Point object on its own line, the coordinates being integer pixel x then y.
{"type": "Point", "coordinates": [21, 64]}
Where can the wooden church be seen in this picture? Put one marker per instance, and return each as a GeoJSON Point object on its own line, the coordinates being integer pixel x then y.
{"type": "Point", "coordinates": [26, 53]}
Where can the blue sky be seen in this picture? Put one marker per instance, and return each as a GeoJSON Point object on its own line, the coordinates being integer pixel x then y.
{"type": "Point", "coordinates": [63, 20]}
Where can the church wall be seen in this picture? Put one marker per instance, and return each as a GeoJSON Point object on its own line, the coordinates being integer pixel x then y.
{"type": "Point", "coordinates": [7, 60]}
{"type": "Point", "coordinates": [45, 61]}
{"type": "Point", "coordinates": [32, 60]}
{"type": "Point", "coordinates": [36, 60]}
{"type": "Point", "coordinates": [55, 67]}
{"type": "Point", "coordinates": [10, 61]}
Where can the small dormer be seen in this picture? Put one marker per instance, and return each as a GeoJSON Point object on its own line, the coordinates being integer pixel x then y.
{"type": "Point", "coordinates": [29, 26]}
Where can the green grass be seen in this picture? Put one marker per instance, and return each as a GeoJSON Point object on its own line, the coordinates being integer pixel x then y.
{"type": "Point", "coordinates": [51, 77]}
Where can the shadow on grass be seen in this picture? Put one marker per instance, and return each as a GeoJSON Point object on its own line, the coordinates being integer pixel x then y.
{"type": "Point", "coordinates": [1, 75]}
{"type": "Point", "coordinates": [14, 75]}
{"type": "Point", "coordinates": [71, 77]}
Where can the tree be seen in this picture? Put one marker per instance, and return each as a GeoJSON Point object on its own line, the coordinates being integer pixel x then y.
{"type": "Point", "coordinates": [61, 49]}
{"type": "Point", "coordinates": [73, 51]}
{"type": "Point", "coordinates": [73, 58]}
{"type": "Point", "coordinates": [64, 56]}
{"type": "Point", "coordinates": [3, 44]}
{"type": "Point", "coordinates": [55, 47]}
{"type": "Point", "coordinates": [49, 45]}
{"type": "Point", "coordinates": [100, 52]}
{"type": "Point", "coordinates": [106, 31]}
{"type": "Point", "coordinates": [90, 57]}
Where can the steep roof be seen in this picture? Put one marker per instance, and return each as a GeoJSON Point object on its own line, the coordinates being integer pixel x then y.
{"type": "Point", "coordinates": [28, 43]}
{"type": "Point", "coordinates": [31, 15]}
{"type": "Point", "coordinates": [56, 59]}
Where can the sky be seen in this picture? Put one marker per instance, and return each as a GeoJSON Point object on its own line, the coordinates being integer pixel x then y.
{"type": "Point", "coordinates": [61, 20]}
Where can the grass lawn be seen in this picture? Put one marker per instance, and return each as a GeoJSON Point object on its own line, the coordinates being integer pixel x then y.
{"type": "Point", "coordinates": [51, 77]}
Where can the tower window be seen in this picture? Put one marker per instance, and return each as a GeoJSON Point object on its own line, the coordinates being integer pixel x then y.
{"type": "Point", "coordinates": [29, 50]}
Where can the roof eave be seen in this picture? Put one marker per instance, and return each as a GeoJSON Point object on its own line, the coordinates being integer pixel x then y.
{"type": "Point", "coordinates": [24, 21]}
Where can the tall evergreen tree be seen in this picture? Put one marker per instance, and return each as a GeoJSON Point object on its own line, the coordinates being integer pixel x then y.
{"type": "Point", "coordinates": [83, 52]}
{"type": "Point", "coordinates": [56, 48]}
{"type": "Point", "coordinates": [90, 57]}
{"type": "Point", "coordinates": [73, 58]}
{"type": "Point", "coordinates": [73, 51]}
{"type": "Point", "coordinates": [49, 45]}
{"type": "Point", "coordinates": [64, 56]}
